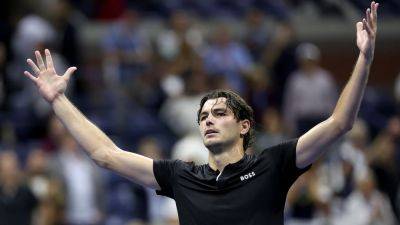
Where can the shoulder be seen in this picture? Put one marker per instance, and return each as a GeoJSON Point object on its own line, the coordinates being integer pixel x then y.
{"type": "Point", "coordinates": [280, 154]}
{"type": "Point", "coordinates": [279, 148]}
{"type": "Point", "coordinates": [175, 164]}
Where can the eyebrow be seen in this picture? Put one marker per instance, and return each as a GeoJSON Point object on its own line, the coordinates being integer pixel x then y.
{"type": "Point", "coordinates": [219, 109]}
{"type": "Point", "coordinates": [214, 110]}
{"type": "Point", "coordinates": [203, 113]}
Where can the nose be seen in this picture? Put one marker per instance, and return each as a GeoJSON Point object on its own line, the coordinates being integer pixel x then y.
{"type": "Point", "coordinates": [209, 120]}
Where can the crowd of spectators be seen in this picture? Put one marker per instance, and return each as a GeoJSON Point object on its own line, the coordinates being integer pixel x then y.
{"type": "Point", "coordinates": [143, 90]}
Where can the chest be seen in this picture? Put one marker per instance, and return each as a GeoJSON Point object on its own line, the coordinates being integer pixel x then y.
{"type": "Point", "coordinates": [254, 189]}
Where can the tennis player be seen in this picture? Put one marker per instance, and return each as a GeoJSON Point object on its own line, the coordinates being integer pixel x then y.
{"type": "Point", "coordinates": [233, 188]}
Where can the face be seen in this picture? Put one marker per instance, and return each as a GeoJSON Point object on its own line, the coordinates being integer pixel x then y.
{"type": "Point", "coordinates": [219, 127]}
{"type": "Point", "coordinates": [9, 168]}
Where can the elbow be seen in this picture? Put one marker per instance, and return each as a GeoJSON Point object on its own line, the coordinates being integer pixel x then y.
{"type": "Point", "coordinates": [102, 157]}
{"type": "Point", "coordinates": [346, 128]}
{"type": "Point", "coordinates": [343, 126]}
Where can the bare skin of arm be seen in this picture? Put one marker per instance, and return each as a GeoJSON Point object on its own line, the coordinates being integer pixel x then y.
{"type": "Point", "coordinates": [314, 143]}
{"type": "Point", "coordinates": [96, 144]}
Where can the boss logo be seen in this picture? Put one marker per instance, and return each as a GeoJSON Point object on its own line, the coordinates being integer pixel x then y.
{"type": "Point", "coordinates": [247, 176]}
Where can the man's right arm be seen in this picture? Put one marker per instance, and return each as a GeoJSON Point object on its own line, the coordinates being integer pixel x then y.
{"type": "Point", "coordinates": [97, 145]}
{"type": "Point", "coordinates": [101, 148]}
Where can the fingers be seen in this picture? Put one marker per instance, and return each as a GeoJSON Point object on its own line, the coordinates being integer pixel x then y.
{"type": "Point", "coordinates": [49, 60]}
{"type": "Point", "coordinates": [369, 22]}
{"type": "Point", "coordinates": [39, 60]}
{"type": "Point", "coordinates": [30, 76]}
{"type": "Point", "coordinates": [69, 72]}
{"type": "Point", "coordinates": [367, 27]}
{"type": "Point", "coordinates": [35, 69]}
{"type": "Point", "coordinates": [374, 8]}
{"type": "Point", "coordinates": [359, 27]}
{"type": "Point", "coordinates": [373, 13]}
{"type": "Point", "coordinates": [368, 15]}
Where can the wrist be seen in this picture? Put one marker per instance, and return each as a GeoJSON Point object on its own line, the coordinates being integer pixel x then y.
{"type": "Point", "coordinates": [367, 58]}
{"type": "Point", "coordinates": [58, 99]}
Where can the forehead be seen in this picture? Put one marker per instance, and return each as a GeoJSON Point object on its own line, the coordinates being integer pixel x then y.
{"type": "Point", "coordinates": [215, 103]}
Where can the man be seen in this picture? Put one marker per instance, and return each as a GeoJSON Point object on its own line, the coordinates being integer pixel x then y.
{"type": "Point", "coordinates": [232, 188]}
{"type": "Point", "coordinates": [17, 200]}
{"type": "Point", "coordinates": [304, 107]}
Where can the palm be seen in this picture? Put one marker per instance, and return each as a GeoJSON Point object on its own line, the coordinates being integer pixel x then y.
{"type": "Point", "coordinates": [50, 84]}
{"type": "Point", "coordinates": [364, 42]}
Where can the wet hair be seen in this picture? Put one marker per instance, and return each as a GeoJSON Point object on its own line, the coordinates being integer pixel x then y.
{"type": "Point", "coordinates": [239, 107]}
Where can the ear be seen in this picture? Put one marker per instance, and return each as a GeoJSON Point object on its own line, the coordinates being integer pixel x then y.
{"type": "Point", "coordinates": [245, 125]}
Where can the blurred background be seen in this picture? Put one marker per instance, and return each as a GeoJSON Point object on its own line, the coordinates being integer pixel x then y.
{"type": "Point", "coordinates": [142, 69]}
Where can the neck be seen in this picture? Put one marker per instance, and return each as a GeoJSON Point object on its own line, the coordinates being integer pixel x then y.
{"type": "Point", "coordinates": [220, 160]}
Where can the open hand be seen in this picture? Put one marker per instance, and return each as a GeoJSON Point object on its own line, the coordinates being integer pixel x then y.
{"type": "Point", "coordinates": [50, 84]}
{"type": "Point", "coordinates": [366, 31]}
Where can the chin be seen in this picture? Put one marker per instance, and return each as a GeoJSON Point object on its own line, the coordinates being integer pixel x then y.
{"type": "Point", "coordinates": [209, 143]}
{"type": "Point", "coordinates": [214, 146]}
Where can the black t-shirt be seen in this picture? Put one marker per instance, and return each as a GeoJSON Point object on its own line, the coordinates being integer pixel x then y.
{"type": "Point", "coordinates": [251, 191]}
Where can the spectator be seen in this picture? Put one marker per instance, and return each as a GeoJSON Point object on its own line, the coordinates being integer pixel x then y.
{"type": "Point", "coordinates": [304, 107]}
{"type": "Point", "coordinates": [228, 58]}
{"type": "Point", "coordinates": [367, 205]}
{"type": "Point", "coordinates": [161, 210]}
{"type": "Point", "coordinates": [3, 89]}
{"type": "Point", "coordinates": [17, 202]}
{"type": "Point", "coordinates": [134, 204]}
{"type": "Point", "coordinates": [45, 187]}
{"type": "Point", "coordinates": [280, 58]}
{"type": "Point", "coordinates": [258, 34]}
{"type": "Point", "coordinates": [397, 89]}
{"type": "Point", "coordinates": [54, 135]}
{"type": "Point", "coordinates": [127, 52]}
{"type": "Point", "coordinates": [383, 160]}
{"type": "Point", "coordinates": [272, 131]}
{"type": "Point", "coordinates": [303, 203]}
{"type": "Point", "coordinates": [179, 113]}
{"type": "Point", "coordinates": [354, 149]}
{"type": "Point", "coordinates": [82, 184]}
{"type": "Point", "coordinates": [180, 40]}
{"type": "Point", "coordinates": [259, 93]}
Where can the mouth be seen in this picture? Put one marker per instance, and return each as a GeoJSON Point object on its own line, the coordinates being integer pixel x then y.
{"type": "Point", "coordinates": [210, 132]}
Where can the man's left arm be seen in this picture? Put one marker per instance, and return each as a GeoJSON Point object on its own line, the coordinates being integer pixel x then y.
{"type": "Point", "coordinates": [313, 143]}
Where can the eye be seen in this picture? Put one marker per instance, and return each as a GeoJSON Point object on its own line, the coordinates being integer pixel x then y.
{"type": "Point", "coordinates": [202, 118]}
{"type": "Point", "coordinates": [221, 114]}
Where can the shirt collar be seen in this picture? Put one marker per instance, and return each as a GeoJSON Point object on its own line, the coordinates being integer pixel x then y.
{"type": "Point", "coordinates": [236, 165]}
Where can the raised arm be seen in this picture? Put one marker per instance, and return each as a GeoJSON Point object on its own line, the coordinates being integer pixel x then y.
{"type": "Point", "coordinates": [96, 144]}
{"type": "Point", "coordinates": [313, 143]}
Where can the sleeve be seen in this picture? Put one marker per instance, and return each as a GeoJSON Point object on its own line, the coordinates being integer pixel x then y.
{"type": "Point", "coordinates": [165, 173]}
{"type": "Point", "coordinates": [284, 158]}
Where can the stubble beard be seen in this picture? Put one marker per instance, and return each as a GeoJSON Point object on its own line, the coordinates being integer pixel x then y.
{"type": "Point", "coordinates": [218, 147]}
